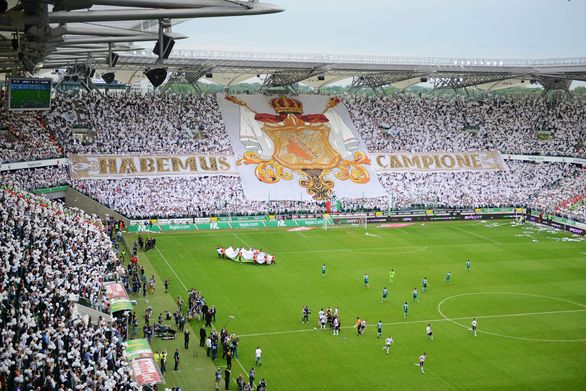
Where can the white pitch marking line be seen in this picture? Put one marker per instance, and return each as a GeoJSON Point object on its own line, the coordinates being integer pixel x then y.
{"type": "Point", "coordinates": [453, 320]}
{"type": "Point", "coordinates": [239, 238]}
{"type": "Point", "coordinates": [376, 236]}
{"type": "Point", "coordinates": [241, 366]}
{"type": "Point", "coordinates": [170, 267]}
{"type": "Point", "coordinates": [423, 321]}
{"type": "Point", "coordinates": [302, 234]}
{"type": "Point", "coordinates": [379, 248]}
{"type": "Point", "coordinates": [478, 235]}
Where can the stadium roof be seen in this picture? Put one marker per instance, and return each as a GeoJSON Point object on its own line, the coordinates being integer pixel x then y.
{"type": "Point", "coordinates": [51, 33]}
{"type": "Point", "coordinates": [318, 70]}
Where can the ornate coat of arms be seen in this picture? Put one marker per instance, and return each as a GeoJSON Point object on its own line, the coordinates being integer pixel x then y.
{"type": "Point", "coordinates": [290, 141]}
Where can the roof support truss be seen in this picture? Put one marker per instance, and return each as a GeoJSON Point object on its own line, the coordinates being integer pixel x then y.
{"type": "Point", "coordinates": [464, 80]}
{"type": "Point", "coordinates": [378, 80]}
{"type": "Point", "coordinates": [286, 79]}
{"type": "Point", "coordinates": [188, 75]}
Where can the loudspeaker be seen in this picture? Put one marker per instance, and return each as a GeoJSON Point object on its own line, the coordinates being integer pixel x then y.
{"type": "Point", "coordinates": [156, 76]}
{"type": "Point", "coordinates": [321, 77]}
{"type": "Point", "coordinates": [108, 77]}
{"type": "Point", "coordinates": [423, 80]}
{"type": "Point", "coordinates": [209, 75]}
{"type": "Point", "coordinates": [3, 6]}
{"type": "Point", "coordinates": [113, 59]}
{"type": "Point", "coordinates": [168, 43]}
{"type": "Point", "coordinates": [75, 78]}
{"type": "Point", "coordinates": [91, 72]}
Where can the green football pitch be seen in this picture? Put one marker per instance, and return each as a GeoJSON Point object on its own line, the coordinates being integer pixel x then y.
{"type": "Point", "coordinates": [526, 288]}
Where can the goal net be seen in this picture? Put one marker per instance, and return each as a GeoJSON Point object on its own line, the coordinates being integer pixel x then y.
{"type": "Point", "coordinates": [338, 221]}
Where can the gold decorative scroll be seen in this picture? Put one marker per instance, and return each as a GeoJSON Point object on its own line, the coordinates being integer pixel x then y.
{"type": "Point", "coordinates": [354, 170]}
{"type": "Point", "coordinates": [318, 186]}
{"type": "Point", "coordinates": [267, 171]}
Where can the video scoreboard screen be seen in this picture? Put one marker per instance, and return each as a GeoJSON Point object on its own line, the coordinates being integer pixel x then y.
{"type": "Point", "coordinates": [29, 94]}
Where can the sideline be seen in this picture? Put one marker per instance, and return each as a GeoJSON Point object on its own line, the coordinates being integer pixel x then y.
{"type": "Point", "coordinates": [170, 267]}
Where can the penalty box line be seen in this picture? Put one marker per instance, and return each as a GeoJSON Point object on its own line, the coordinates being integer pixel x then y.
{"type": "Point", "coordinates": [423, 321]}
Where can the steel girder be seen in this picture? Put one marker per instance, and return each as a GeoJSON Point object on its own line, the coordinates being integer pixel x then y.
{"type": "Point", "coordinates": [550, 83]}
{"type": "Point", "coordinates": [379, 80]}
{"type": "Point", "coordinates": [187, 75]}
{"type": "Point", "coordinates": [464, 80]}
{"type": "Point", "coordinates": [286, 79]}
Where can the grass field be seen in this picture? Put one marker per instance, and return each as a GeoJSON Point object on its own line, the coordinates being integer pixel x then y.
{"type": "Point", "coordinates": [527, 289]}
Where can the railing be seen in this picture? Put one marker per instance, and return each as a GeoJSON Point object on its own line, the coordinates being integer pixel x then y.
{"type": "Point", "coordinates": [362, 59]}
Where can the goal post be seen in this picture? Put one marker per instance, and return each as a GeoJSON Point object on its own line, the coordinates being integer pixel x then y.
{"type": "Point", "coordinates": [338, 221]}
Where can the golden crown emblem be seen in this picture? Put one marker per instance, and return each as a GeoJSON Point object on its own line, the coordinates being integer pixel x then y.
{"type": "Point", "coordinates": [287, 105]}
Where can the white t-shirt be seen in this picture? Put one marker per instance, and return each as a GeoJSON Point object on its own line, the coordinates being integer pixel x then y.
{"type": "Point", "coordinates": [258, 352]}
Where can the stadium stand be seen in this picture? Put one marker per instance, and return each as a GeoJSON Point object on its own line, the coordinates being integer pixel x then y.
{"type": "Point", "coordinates": [31, 140]}
{"type": "Point", "coordinates": [35, 178]}
{"type": "Point", "coordinates": [566, 197]}
{"type": "Point", "coordinates": [51, 256]}
{"type": "Point", "coordinates": [187, 124]}
{"type": "Point", "coordinates": [509, 125]}
{"type": "Point", "coordinates": [176, 124]}
{"type": "Point", "coordinates": [143, 124]}
{"type": "Point", "coordinates": [172, 197]}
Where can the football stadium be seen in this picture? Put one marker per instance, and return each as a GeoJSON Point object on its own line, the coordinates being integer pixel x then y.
{"type": "Point", "coordinates": [177, 215]}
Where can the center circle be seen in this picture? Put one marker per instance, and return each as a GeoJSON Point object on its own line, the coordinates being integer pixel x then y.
{"type": "Point", "coordinates": [456, 320]}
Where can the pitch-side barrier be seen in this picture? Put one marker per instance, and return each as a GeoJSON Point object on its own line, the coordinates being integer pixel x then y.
{"type": "Point", "coordinates": [406, 216]}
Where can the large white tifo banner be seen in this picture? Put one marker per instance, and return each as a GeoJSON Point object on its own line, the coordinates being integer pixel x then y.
{"type": "Point", "coordinates": [297, 148]}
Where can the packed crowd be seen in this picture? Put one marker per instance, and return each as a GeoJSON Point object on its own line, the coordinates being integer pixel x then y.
{"type": "Point", "coordinates": [189, 124]}
{"type": "Point", "coordinates": [142, 124]}
{"type": "Point", "coordinates": [26, 138]}
{"type": "Point", "coordinates": [175, 197]}
{"type": "Point", "coordinates": [50, 257]}
{"type": "Point", "coordinates": [567, 197]}
{"type": "Point", "coordinates": [421, 124]}
{"type": "Point", "coordinates": [188, 196]}
{"type": "Point", "coordinates": [186, 124]}
{"type": "Point", "coordinates": [35, 178]}
{"type": "Point", "coordinates": [515, 186]}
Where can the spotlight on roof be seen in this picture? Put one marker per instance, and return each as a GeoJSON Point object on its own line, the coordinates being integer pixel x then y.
{"type": "Point", "coordinates": [423, 80]}
{"type": "Point", "coordinates": [156, 76]}
{"type": "Point", "coordinates": [108, 77]}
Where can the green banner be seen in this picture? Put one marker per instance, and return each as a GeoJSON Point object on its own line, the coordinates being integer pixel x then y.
{"type": "Point", "coordinates": [119, 304]}
{"type": "Point", "coordinates": [50, 190]}
{"type": "Point", "coordinates": [572, 223]}
{"type": "Point", "coordinates": [222, 225]}
{"type": "Point", "coordinates": [138, 348]}
{"type": "Point", "coordinates": [241, 218]}
{"type": "Point", "coordinates": [495, 210]}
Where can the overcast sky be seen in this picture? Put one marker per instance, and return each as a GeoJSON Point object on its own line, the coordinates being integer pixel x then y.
{"type": "Point", "coordinates": [446, 28]}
